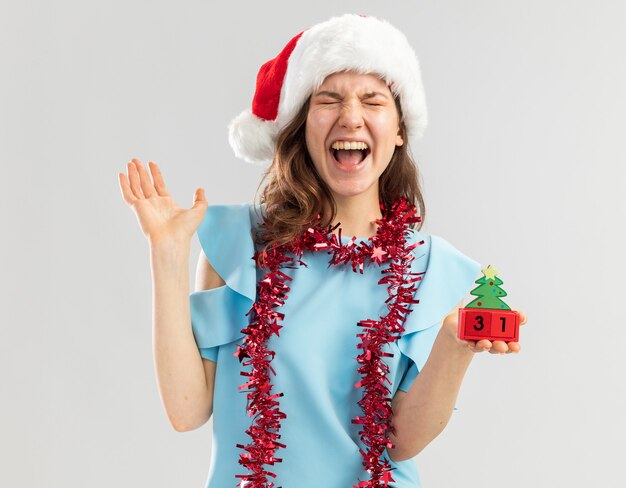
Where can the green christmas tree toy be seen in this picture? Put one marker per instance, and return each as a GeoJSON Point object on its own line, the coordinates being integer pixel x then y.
{"type": "Point", "coordinates": [487, 316]}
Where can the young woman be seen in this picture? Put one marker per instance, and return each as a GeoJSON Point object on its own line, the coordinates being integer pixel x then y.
{"type": "Point", "coordinates": [325, 359]}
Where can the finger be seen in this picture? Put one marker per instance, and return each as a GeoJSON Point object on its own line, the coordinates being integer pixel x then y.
{"type": "Point", "coordinates": [523, 318]}
{"type": "Point", "coordinates": [199, 199]}
{"type": "Point", "coordinates": [499, 347]}
{"type": "Point", "coordinates": [144, 178]}
{"type": "Point", "coordinates": [157, 177]}
{"type": "Point", "coordinates": [514, 347]}
{"type": "Point", "coordinates": [477, 346]}
{"type": "Point", "coordinates": [484, 345]}
{"type": "Point", "coordinates": [127, 193]}
{"type": "Point", "coordinates": [467, 343]}
{"type": "Point", "coordinates": [135, 184]}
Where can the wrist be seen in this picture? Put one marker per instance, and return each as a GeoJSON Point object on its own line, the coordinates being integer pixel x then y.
{"type": "Point", "coordinates": [170, 250]}
{"type": "Point", "coordinates": [453, 344]}
{"type": "Point", "coordinates": [168, 243]}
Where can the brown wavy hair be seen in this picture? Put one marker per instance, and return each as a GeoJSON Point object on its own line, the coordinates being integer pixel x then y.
{"type": "Point", "coordinates": [295, 193]}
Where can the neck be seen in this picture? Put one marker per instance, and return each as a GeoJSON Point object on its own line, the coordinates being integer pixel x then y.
{"type": "Point", "coordinates": [357, 215]}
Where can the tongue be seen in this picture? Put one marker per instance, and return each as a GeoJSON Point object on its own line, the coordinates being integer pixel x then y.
{"type": "Point", "coordinates": [347, 156]}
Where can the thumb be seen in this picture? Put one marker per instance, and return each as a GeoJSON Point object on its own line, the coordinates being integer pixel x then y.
{"type": "Point", "coordinates": [199, 199]}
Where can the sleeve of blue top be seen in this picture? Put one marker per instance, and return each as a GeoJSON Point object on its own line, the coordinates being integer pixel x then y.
{"type": "Point", "coordinates": [218, 315]}
{"type": "Point", "coordinates": [448, 276]}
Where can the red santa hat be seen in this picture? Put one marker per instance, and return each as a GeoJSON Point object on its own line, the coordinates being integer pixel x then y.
{"type": "Point", "coordinates": [350, 42]}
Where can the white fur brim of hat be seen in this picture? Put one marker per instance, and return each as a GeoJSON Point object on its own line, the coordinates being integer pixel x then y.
{"type": "Point", "coordinates": [346, 43]}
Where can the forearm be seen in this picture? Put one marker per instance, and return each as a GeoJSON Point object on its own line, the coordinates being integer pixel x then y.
{"type": "Point", "coordinates": [180, 372]}
{"type": "Point", "coordinates": [425, 410]}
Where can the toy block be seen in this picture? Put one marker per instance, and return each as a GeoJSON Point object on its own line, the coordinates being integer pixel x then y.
{"type": "Point", "coordinates": [490, 324]}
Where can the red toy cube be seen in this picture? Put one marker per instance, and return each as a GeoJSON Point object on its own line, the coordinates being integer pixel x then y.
{"type": "Point", "coordinates": [488, 323]}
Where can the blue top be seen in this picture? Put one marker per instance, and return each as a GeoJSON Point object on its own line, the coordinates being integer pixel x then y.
{"type": "Point", "coordinates": [316, 351]}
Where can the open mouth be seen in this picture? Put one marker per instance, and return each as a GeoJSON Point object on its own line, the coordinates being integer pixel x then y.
{"type": "Point", "coordinates": [349, 157]}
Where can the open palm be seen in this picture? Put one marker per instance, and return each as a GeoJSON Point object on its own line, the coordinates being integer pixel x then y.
{"type": "Point", "coordinates": [160, 217]}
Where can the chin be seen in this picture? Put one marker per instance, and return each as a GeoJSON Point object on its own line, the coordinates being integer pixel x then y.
{"type": "Point", "coordinates": [349, 191]}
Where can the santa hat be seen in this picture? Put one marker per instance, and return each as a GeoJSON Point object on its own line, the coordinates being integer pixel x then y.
{"type": "Point", "coordinates": [350, 42]}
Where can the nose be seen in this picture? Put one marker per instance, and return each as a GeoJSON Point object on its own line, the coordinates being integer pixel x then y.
{"type": "Point", "coordinates": [351, 115]}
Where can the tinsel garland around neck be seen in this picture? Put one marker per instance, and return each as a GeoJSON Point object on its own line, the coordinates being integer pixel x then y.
{"type": "Point", "coordinates": [389, 245]}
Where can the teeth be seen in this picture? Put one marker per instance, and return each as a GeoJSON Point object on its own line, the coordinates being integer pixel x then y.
{"type": "Point", "coordinates": [349, 145]}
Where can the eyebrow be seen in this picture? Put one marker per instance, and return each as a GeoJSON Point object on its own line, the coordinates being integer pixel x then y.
{"type": "Point", "coordinates": [337, 96]}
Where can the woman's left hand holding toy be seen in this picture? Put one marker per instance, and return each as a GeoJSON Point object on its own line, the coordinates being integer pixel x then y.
{"type": "Point", "coordinates": [451, 327]}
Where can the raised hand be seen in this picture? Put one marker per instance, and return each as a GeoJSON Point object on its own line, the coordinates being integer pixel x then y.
{"type": "Point", "coordinates": [158, 214]}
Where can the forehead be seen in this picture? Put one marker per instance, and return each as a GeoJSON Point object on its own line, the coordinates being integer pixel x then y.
{"type": "Point", "coordinates": [349, 80]}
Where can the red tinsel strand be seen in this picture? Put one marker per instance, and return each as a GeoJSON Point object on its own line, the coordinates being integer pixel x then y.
{"type": "Point", "coordinates": [377, 419]}
{"type": "Point", "coordinates": [389, 245]}
{"type": "Point", "coordinates": [376, 424]}
{"type": "Point", "coordinates": [272, 292]}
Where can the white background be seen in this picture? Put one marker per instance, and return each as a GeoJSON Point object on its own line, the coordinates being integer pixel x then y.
{"type": "Point", "coordinates": [523, 169]}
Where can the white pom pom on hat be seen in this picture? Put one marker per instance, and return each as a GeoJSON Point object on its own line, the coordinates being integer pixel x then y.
{"type": "Point", "coordinates": [350, 42]}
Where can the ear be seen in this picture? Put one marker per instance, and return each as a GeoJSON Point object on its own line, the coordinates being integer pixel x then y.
{"type": "Point", "coordinates": [399, 139]}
